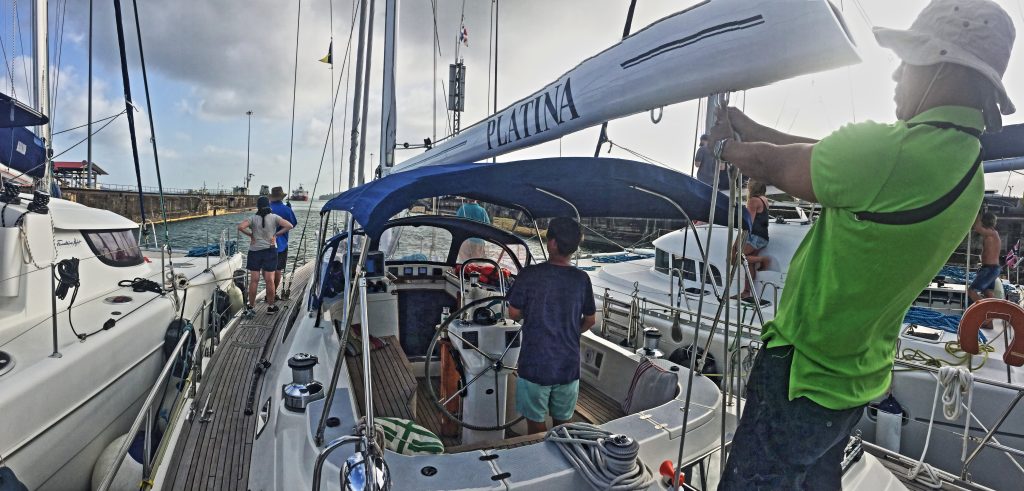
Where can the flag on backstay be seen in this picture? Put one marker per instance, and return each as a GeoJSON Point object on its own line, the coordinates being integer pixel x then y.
{"type": "Point", "coordinates": [464, 36]}
{"type": "Point", "coordinates": [329, 59]}
{"type": "Point", "coordinates": [1013, 256]}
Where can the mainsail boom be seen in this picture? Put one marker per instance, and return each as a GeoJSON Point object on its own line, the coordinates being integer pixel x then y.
{"type": "Point", "coordinates": [719, 46]}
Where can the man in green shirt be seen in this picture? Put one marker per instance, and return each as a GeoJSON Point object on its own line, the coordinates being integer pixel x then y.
{"type": "Point", "coordinates": [898, 198]}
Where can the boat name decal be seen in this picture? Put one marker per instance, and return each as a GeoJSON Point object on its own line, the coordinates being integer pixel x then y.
{"type": "Point", "coordinates": [65, 243]}
{"type": "Point", "coordinates": [545, 111]}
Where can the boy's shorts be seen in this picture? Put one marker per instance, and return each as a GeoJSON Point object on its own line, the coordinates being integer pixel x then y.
{"type": "Point", "coordinates": [535, 401]}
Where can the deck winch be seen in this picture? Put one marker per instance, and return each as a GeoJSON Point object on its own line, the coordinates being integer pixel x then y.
{"type": "Point", "coordinates": [652, 336]}
{"type": "Point", "coordinates": [303, 389]}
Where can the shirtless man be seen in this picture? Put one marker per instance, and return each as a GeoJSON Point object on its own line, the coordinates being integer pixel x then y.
{"type": "Point", "coordinates": [987, 275]}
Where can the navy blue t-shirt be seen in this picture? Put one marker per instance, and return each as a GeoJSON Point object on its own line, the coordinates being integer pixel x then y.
{"type": "Point", "coordinates": [553, 300]}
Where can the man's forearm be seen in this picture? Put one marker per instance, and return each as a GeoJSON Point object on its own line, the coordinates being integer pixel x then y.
{"type": "Point", "coordinates": [788, 167]}
{"type": "Point", "coordinates": [759, 133]}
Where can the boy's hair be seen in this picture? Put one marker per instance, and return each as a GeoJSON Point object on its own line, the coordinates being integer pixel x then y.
{"type": "Point", "coordinates": [567, 234]}
{"type": "Point", "coordinates": [988, 219]}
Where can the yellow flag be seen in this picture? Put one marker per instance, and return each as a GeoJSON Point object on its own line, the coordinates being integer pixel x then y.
{"type": "Point", "coordinates": [329, 59]}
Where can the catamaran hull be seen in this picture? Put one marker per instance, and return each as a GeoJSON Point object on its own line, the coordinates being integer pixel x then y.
{"type": "Point", "coordinates": [719, 46]}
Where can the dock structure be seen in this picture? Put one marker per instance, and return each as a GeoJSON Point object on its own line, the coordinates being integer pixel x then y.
{"type": "Point", "coordinates": [181, 204]}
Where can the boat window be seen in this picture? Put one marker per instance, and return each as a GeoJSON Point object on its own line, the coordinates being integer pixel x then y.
{"type": "Point", "coordinates": [419, 244]}
{"type": "Point", "coordinates": [686, 266]}
{"type": "Point", "coordinates": [114, 247]}
{"type": "Point", "coordinates": [479, 248]}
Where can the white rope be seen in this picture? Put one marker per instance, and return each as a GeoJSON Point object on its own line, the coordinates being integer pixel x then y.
{"type": "Point", "coordinates": [928, 478]}
{"type": "Point", "coordinates": [605, 461]}
{"type": "Point", "coordinates": [953, 382]}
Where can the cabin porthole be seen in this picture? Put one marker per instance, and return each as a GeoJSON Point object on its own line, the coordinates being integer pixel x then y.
{"type": "Point", "coordinates": [6, 362]}
{"type": "Point", "coordinates": [118, 299]}
{"type": "Point", "coordinates": [429, 471]}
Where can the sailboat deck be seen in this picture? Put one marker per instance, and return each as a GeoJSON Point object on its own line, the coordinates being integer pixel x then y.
{"type": "Point", "coordinates": [214, 447]}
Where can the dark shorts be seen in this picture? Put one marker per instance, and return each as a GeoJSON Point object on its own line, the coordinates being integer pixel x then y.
{"type": "Point", "coordinates": [262, 260]}
{"type": "Point", "coordinates": [282, 259]}
{"type": "Point", "coordinates": [985, 278]}
{"type": "Point", "coordinates": [783, 444]}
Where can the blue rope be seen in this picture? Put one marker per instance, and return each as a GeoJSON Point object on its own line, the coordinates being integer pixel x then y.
{"type": "Point", "coordinates": [620, 258]}
{"type": "Point", "coordinates": [932, 318]}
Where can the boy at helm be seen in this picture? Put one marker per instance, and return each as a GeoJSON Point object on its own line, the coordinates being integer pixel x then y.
{"type": "Point", "coordinates": [885, 189]}
{"type": "Point", "coordinates": [555, 303]}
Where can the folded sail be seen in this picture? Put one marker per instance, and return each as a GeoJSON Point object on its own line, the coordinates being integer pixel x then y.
{"type": "Point", "coordinates": [719, 46]}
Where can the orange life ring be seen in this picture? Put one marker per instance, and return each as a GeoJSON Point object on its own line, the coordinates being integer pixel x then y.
{"type": "Point", "coordinates": [993, 308]}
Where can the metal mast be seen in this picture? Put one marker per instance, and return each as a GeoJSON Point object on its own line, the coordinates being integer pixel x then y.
{"type": "Point", "coordinates": [40, 52]}
{"type": "Point", "coordinates": [387, 113]}
{"type": "Point", "coordinates": [353, 156]}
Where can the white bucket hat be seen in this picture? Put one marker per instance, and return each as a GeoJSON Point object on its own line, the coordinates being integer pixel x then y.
{"type": "Point", "coordinates": [977, 34]}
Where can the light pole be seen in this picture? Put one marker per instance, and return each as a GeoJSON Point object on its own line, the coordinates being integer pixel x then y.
{"type": "Point", "coordinates": [248, 140]}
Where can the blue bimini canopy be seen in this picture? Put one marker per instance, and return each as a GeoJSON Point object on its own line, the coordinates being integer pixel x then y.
{"type": "Point", "coordinates": [595, 187]}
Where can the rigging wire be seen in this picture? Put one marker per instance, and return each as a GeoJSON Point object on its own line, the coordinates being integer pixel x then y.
{"type": "Point", "coordinates": [59, 56]}
{"type": "Point", "coordinates": [21, 42]}
{"type": "Point", "coordinates": [152, 125]}
{"type": "Point", "coordinates": [111, 120]}
{"type": "Point", "coordinates": [87, 124]}
{"type": "Point", "coordinates": [323, 155]}
{"type": "Point", "coordinates": [439, 54]}
{"type": "Point", "coordinates": [330, 53]}
{"type": "Point", "coordinates": [8, 65]}
{"type": "Point", "coordinates": [295, 86]}
{"type": "Point", "coordinates": [346, 67]}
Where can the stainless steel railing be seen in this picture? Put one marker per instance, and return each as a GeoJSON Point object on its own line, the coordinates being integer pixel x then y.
{"type": "Point", "coordinates": [145, 417]}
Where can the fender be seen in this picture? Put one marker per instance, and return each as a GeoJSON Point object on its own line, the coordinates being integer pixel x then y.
{"type": "Point", "coordinates": [993, 308]}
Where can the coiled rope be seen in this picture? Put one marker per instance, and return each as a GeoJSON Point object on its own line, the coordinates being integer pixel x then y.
{"type": "Point", "coordinates": [953, 383]}
{"type": "Point", "coordinates": [606, 460]}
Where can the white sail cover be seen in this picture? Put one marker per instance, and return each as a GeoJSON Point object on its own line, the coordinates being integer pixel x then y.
{"type": "Point", "coordinates": [716, 46]}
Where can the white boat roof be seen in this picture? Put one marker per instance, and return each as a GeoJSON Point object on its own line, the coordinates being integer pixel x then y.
{"type": "Point", "coordinates": [68, 215]}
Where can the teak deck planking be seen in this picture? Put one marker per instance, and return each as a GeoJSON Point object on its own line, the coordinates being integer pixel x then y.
{"type": "Point", "coordinates": [215, 454]}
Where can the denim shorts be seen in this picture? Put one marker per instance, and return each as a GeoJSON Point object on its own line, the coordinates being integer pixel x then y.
{"type": "Point", "coordinates": [535, 401]}
{"type": "Point", "coordinates": [262, 260]}
{"type": "Point", "coordinates": [756, 241]}
{"type": "Point", "coordinates": [985, 278]}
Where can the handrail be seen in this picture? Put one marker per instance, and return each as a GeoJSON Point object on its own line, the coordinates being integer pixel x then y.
{"type": "Point", "coordinates": [145, 413]}
{"type": "Point", "coordinates": [335, 444]}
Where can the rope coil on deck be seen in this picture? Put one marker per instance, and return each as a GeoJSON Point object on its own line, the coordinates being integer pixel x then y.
{"type": "Point", "coordinates": [606, 460]}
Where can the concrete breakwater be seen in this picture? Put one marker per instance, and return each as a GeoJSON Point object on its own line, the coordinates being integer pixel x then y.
{"type": "Point", "coordinates": [179, 206]}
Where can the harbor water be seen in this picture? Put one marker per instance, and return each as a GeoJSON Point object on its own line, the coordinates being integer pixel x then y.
{"type": "Point", "coordinates": [302, 240]}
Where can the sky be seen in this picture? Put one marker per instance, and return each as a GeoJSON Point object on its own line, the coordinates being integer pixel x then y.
{"type": "Point", "coordinates": [209, 62]}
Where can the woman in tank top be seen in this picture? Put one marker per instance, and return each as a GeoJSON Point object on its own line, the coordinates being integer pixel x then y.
{"type": "Point", "coordinates": [263, 228]}
{"type": "Point", "coordinates": [757, 239]}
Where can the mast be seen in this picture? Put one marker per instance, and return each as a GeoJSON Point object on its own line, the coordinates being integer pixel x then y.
{"type": "Point", "coordinates": [40, 52]}
{"type": "Point", "coordinates": [88, 131]}
{"type": "Point", "coordinates": [366, 92]}
{"type": "Point", "coordinates": [388, 117]}
{"type": "Point", "coordinates": [353, 156]}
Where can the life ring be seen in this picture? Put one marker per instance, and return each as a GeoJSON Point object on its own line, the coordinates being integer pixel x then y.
{"type": "Point", "coordinates": [993, 308]}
